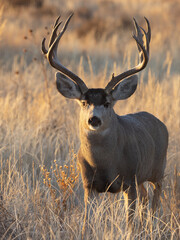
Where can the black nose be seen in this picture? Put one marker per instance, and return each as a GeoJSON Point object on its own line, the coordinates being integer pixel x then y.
{"type": "Point", "coordinates": [94, 121]}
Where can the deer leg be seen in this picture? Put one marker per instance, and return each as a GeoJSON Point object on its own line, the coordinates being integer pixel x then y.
{"type": "Point", "coordinates": [143, 194]}
{"type": "Point", "coordinates": [157, 193]}
{"type": "Point", "coordinates": [86, 193]}
{"type": "Point", "coordinates": [90, 198]}
{"type": "Point", "coordinates": [132, 195]}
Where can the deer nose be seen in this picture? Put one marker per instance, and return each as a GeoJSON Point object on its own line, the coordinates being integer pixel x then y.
{"type": "Point", "coordinates": [94, 121]}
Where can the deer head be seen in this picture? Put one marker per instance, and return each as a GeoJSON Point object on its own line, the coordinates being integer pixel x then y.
{"type": "Point", "coordinates": [97, 104]}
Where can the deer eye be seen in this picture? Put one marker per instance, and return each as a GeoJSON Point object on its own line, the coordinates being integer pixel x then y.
{"type": "Point", "coordinates": [107, 104]}
{"type": "Point", "coordinates": [84, 103]}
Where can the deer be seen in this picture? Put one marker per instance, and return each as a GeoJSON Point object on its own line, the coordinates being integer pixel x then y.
{"type": "Point", "coordinates": [117, 153]}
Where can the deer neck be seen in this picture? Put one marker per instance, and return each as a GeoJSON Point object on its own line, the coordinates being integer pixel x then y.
{"type": "Point", "coordinates": [98, 146]}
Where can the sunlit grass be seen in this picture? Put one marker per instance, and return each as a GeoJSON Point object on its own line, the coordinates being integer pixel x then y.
{"type": "Point", "coordinates": [34, 134]}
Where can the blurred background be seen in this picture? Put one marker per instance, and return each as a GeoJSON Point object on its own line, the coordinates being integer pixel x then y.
{"type": "Point", "coordinates": [100, 28]}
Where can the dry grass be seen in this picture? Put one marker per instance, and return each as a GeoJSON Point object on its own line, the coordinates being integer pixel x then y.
{"type": "Point", "coordinates": [38, 126]}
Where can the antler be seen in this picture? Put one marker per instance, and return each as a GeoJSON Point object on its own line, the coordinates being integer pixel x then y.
{"type": "Point", "coordinates": [142, 40]}
{"type": "Point", "coordinates": [51, 54]}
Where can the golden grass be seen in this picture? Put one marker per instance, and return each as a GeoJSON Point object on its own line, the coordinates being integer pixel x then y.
{"type": "Point", "coordinates": [38, 126]}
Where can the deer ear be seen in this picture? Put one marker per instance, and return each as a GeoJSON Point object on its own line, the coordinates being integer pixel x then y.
{"type": "Point", "coordinates": [125, 88]}
{"type": "Point", "coordinates": [67, 87]}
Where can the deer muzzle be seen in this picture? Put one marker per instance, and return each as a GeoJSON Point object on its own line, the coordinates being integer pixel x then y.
{"type": "Point", "coordinates": [94, 121]}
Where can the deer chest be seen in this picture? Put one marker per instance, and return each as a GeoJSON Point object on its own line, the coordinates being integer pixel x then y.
{"type": "Point", "coordinates": [101, 179]}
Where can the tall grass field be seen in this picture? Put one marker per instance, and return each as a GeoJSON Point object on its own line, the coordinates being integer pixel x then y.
{"type": "Point", "coordinates": [41, 192]}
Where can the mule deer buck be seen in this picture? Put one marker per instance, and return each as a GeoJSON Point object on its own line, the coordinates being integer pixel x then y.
{"type": "Point", "coordinates": [117, 152]}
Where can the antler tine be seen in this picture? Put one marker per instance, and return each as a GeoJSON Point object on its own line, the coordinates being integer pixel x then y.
{"type": "Point", "coordinates": [57, 20]}
{"type": "Point", "coordinates": [142, 39]}
{"type": "Point", "coordinates": [148, 34]}
{"type": "Point", "coordinates": [138, 31]}
{"type": "Point", "coordinates": [140, 36]}
{"type": "Point", "coordinates": [142, 51]}
{"type": "Point", "coordinates": [56, 26]}
{"type": "Point", "coordinates": [149, 29]}
{"type": "Point", "coordinates": [44, 50]}
{"type": "Point", "coordinates": [66, 23]}
{"type": "Point", "coordinates": [146, 42]}
{"type": "Point", "coordinates": [54, 32]}
{"type": "Point", "coordinates": [51, 54]}
{"type": "Point", "coordinates": [53, 36]}
{"type": "Point", "coordinates": [54, 44]}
